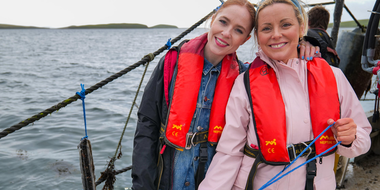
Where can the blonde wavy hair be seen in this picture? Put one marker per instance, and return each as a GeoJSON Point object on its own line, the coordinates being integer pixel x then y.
{"type": "Point", "coordinates": [297, 5]}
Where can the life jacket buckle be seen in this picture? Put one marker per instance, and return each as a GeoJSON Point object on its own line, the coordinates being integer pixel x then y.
{"type": "Point", "coordinates": [190, 140]}
{"type": "Point", "coordinates": [292, 151]}
{"type": "Point", "coordinates": [310, 149]}
{"type": "Point", "coordinates": [311, 169]}
{"type": "Point", "coordinates": [292, 154]}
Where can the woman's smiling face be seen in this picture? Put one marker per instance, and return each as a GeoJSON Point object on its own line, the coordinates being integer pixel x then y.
{"type": "Point", "coordinates": [278, 31]}
{"type": "Point", "coordinates": [230, 28]}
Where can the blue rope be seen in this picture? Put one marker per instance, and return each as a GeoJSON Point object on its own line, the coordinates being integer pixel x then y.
{"type": "Point", "coordinates": [270, 182]}
{"type": "Point", "coordinates": [217, 8]}
{"type": "Point", "coordinates": [82, 95]}
{"type": "Point", "coordinates": [169, 43]}
{"type": "Point", "coordinates": [315, 157]}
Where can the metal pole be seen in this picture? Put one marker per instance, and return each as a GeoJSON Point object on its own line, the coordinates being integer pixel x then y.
{"type": "Point", "coordinates": [325, 3]}
{"type": "Point", "coordinates": [353, 17]}
{"type": "Point", "coordinates": [337, 16]}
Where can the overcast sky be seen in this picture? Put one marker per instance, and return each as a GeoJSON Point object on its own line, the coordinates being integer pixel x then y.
{"type": "Point", "coordinates": [182, 13]}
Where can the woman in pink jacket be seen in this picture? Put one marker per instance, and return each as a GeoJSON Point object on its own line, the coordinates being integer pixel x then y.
{"type": "Point", "coordinates": [278, 106]}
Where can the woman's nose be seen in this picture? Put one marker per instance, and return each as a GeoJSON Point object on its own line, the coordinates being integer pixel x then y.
{"type": "Point", "coordinates": [226, 33]}
{"type": "Point", "coordinates": [276, 34]}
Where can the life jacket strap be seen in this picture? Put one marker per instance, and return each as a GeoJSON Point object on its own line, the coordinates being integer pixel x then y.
{"type": "Point", "coordinates": [203, 157]}
{"type": "Point", "coordinates": [192, 139]}
{"type": "Point", "coordinates": [162, 130]}
{"type": "Point", "coordinates": [258, 160]}
{"type": "Point", "coordinates": [311, 172]}
{"type": "Point", "coordinates": [160, 165]}
{"type": "Point", "coordinates": [293, 150]}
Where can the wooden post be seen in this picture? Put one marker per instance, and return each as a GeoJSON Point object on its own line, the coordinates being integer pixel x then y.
{"type": "Point", "coordinates": [337, 16]}
{"type": "Point", "coordinates": [87, 166]}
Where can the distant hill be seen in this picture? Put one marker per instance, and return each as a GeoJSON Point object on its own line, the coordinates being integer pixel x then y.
{"type": "Point", "coordinates": [119, 25]}
{"type": "Point", "coordinates": [103, 26]}
{"type": "Point", "coordinates": [164, 26]}
{"type": "Point", "coordinates": [351, 24]}
{"type": "Point", "coordinates": [95, 26]}
{"type": "Point", "coordinates": [8, 26]}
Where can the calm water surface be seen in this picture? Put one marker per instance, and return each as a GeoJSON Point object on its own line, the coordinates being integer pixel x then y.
{"type": "Point", "coordinates": [40, 68]}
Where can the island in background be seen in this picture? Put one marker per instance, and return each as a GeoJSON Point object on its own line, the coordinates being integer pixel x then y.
{"type": "Point", "coordinates": [96, 26]}
{"type": "Point", "coordinates": [119, 26]}
{"type": "Point", "coordinates": [9, 26]}
{"type": "Point", "coordinates": [350, 24]}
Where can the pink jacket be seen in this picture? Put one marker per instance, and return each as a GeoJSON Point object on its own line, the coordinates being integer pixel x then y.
{"type": "Point", "coordinates": [229, 168]}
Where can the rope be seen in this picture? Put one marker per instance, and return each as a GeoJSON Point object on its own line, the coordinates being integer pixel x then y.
{"type": "Point", "coordinates": [315, 157]}
{"type": "Point", "coordinates": [274, 179]}
{"type": "Point", "coordinates": [82, 95]}
{"type": "Point", "coordinates": [123, 170]}
{"type": "Point", "coordinates": [169, 44]}
{"type": "Point", "coordinates": [109, 174]}
{"type": "Point", "coordinates": [133, 103]}
{"type": "Point", "coordinates": [64, 103]}
{"type": "Point", "coordinates": [116, 172]}
{"type": "Point", "coordinates": [222, 2]}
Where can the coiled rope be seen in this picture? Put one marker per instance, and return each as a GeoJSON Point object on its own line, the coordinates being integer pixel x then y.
{"type": "Point", "coordinates": [115, 172]}
{"type": "Point", "coordinates": [68, 101]}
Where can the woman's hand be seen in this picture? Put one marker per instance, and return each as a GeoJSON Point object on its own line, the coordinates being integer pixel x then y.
{"type": "Point", "coordinates": [344, 130]}
{"type": "Point", "coordinates": [308, 51]}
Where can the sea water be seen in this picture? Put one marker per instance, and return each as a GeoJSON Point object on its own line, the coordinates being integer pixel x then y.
{"type": "Point", "coordinates": [40, 68]}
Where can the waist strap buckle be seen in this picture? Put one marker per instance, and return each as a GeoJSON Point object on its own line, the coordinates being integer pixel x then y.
{"type": "Point", "coordinates": [294, 151]}
{"type": "Point", "coordinates": [190, 140]}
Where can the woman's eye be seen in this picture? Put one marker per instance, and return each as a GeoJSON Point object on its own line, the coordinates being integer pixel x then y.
{"type": "Point", "coordinates": [265, 29]}
{"type": "Point", "coordinates": [222, 21]}
{"type": "Point", "coordinates": [287, 25]}
{"type": "Point", "coordinates": [239, 31]}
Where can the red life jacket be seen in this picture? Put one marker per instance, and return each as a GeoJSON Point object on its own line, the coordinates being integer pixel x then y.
{"type": "Point", "coordinates": [270, 121]}
{"type": "Point", "coordinates": [186, 89]}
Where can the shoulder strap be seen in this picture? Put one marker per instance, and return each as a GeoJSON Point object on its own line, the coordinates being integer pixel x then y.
{"type": "Point", "coordinates": [328, 51]}
{"type": "Point", "coordinates": [323, 34]}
